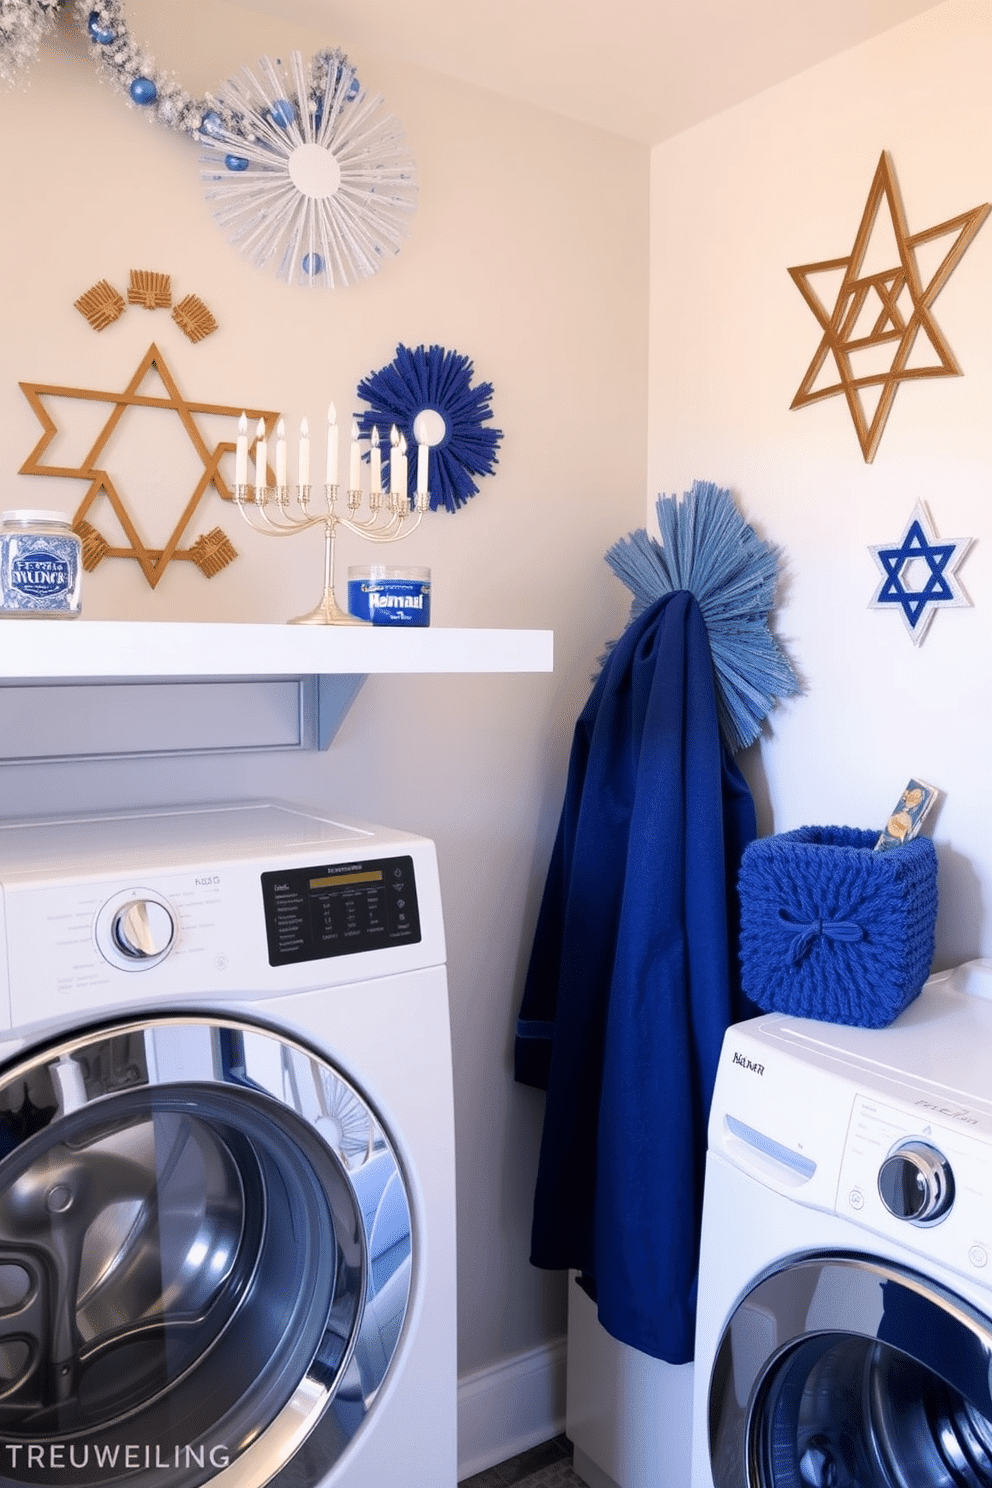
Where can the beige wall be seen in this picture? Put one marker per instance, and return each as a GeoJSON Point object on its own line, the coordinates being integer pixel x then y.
{"type": "Point", "coordinates": [528, 253]}
{"type": "Point", "coordinates": [781, 181]}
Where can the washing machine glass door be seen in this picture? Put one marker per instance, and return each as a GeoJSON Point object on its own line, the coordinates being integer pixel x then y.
{"type": "Point", "coordinates": [843, 1372]}
{"type": "Point", "coordinates": [205, 1251]}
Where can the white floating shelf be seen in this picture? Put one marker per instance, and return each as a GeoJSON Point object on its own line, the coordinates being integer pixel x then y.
{"type": "Point", "coordinates": [164, 688]}
{"type": "Point", "coordinates": [119, 649]}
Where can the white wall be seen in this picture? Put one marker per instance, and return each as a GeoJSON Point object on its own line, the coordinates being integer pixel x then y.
{"type": "Point", "coordinates": [780, 181]}
{"type": "Point", "coordinates": [528, 253]}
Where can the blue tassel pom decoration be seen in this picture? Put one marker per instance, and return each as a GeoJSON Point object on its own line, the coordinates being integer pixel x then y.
{"type": "Point", "coordinates": [708, 549]}
{"type": "Point", "coordinates": [433, 380]}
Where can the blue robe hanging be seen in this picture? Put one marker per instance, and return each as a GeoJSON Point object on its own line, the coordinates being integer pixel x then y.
{"type": "Point", "coordinates": [633, 980]}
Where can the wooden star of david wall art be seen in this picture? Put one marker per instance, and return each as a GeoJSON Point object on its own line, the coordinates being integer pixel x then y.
{"type": "Point", "coordinates": [213, 550]}
{"type": "Point", "coordinates": [879, 316]}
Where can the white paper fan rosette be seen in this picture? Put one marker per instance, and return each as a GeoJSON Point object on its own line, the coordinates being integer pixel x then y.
{"type": "Point", "coordinates": [315, 179]}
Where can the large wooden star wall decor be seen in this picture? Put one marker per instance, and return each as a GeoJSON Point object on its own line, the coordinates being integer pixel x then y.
{"type": "Point", "coordinates": [210, 552]}
{"type": "Point", "coordinates": [888, 309]}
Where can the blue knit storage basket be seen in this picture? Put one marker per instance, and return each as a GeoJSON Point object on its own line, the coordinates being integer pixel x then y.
{"type": "Point", "coordinates": [831, 929]}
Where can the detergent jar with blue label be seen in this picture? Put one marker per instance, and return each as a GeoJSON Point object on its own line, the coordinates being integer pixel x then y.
{"type": "Point", "coordinates": [40, 566]}
{"type": "Point", "coordinates": [390, 596]}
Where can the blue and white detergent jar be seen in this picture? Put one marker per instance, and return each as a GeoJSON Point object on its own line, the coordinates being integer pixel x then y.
{"type": "Point", "coordinates": [390, 596]}
{"type": "Point", "coordinates": [40, 566]}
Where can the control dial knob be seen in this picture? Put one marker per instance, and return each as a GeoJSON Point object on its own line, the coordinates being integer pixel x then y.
{"type": "Point", "coordinates": [915, 1183]}
{"type": "Point", "coordinates": [143, 929]}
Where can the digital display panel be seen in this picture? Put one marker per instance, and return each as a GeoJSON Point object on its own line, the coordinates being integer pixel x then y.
{"type": "Point", "coordinates": [339, 909]}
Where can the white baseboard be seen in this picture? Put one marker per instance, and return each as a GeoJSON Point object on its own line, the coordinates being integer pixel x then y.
{"type": "Point", "coordinates": [510, 1406]}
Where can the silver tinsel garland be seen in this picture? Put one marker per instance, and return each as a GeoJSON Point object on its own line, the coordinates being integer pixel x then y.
{"type": "Point", "coordinates": [23, 23]}
{"type": "Point", "coordinates": [133, 71]}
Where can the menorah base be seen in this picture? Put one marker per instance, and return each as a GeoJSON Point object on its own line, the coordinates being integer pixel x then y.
{"type": "Point", "coordinates": [328, 612]}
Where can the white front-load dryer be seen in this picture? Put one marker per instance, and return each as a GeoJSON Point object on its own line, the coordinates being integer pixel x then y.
{"type": "Point", "coordinates": [227, 1250]}
{"type": "Point", "coordinates": [844, 1326]}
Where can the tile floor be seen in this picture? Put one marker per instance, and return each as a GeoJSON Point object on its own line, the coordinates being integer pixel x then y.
{"type": "Point", "coordinates": [546, 1466]}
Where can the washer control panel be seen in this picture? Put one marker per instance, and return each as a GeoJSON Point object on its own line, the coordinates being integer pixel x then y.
{"type": "Point", "coordinates": [243, 901]}
{"type": "Point", "coordinates": [925, 1184]}
{"type": "Point", "coordinates": [915, 1183]}
{"type": "Point", "coordinates": [339, 909]}
{"type": "Point", "coordinates": [136, 929]}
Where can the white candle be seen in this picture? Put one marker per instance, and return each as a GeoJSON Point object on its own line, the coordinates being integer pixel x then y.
{"type": "Point", "coordinates": [261, 457]}
{"type": "Point", "coordinates": [404, 485]}
{"type": "Point", "coordinates": [241, 453]}
{"type": "Point", "coordinates": [375, 461]}
{"type": "Point", "coordinates": [304, 457]}
{"type": "Point", "coordinates": [394, 460]}
{"type": "Point", "coordinates": [422, 452]}
{"type": "Point", "coordinates": [332, 445]}
{"type": "Point", "coordinates": [281, 453]}
{"type": "Point", "coordinates": [355, 463]}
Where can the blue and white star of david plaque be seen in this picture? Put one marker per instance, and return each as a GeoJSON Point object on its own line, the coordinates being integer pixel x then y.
{"type": "Point", "coordinates": [919, 574]}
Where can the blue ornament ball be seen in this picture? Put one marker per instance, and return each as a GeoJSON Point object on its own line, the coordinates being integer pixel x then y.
{"type": "Point", "coordinates": [283, 112]}
{"type": "Point", "coordinates": [143, 90]}
{"type": "Point", "coordinates": [212, 123]}
{"type": "Point", "coordinates": [313, 265]}
{"type": "Point", "coordinates": [354, 88]}
{"type": "Point", "coordinates": [99, 33]}
{"type": "Point", "coordinates": [236, 162]}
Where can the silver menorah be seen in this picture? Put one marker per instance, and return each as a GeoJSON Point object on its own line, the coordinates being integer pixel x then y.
{"type": "Point", "coordinates": [269, 509]}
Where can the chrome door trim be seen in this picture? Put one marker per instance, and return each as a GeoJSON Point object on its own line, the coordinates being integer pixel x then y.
{"type": "Point", "coordinates": [173, 1052]}
{"type": "Point", "coordinates": [806, 1296]}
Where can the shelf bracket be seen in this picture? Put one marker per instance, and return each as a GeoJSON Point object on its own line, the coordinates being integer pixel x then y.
{"type": "Point", "coordinates": [335, 693]}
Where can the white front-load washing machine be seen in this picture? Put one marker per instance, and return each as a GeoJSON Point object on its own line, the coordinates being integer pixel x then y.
{"type": "Point", "coordinates": [227, 1250]}
{"type": "Point", "coordinates": [844, 1328]}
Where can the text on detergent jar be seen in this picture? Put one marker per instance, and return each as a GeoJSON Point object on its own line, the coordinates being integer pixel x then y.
{"type": "Point", "coordinates": [40, 573]}
{"type": "Point", "coordinates": [379, 601]}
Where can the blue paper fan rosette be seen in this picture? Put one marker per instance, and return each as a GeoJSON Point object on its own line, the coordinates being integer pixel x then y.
{"type": "Point", "coordinates": [433, 381]}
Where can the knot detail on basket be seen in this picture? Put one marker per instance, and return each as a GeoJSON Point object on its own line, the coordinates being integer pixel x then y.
{"type": "Point", "coordinates": [806, 934]}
